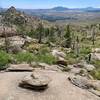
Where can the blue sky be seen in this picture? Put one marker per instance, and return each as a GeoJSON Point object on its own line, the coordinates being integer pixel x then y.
{"type": "Point", "coordinates": [49, 3]}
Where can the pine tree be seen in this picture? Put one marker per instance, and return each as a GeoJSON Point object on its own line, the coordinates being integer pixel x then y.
{"type": "Point", "coordinates": [52, 34]}
{"type": "Point", "coordinates": [77, 47]}
{"type": "Point", "coordinates": [40, 30]}
{"type": "Point", "coordinates": [93, 34]}
{"type": "Point", "coordinates": [68, 37]}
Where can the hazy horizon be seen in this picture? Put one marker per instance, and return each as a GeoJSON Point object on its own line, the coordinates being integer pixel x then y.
{"type": "Point", "coordinates": [46, 8]}
{"type": "Point", "coordinates": [45, 4]}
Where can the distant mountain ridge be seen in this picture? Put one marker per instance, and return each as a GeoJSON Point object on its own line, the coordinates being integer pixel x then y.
{"type": "Point", "coordinates": [59, 8]}
{"type": "Point", "coordinates": [64, 13]}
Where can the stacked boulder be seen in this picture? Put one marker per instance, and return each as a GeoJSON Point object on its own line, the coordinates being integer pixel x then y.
{"type": "Point", "coordinates": [35, 81]}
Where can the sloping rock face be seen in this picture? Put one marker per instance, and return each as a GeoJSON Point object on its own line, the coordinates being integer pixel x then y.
{"type": "Point", "coordinates": [59, 88]}
{"type": "Point", "coordinates": [79, 81]}
{"type": "Point", "coordinates": [84, 83]}
{"type": "Point", "coordinates": [36, 81]}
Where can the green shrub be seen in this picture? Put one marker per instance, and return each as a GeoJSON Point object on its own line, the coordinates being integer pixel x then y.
{"type": "Point", "coordinates": [85, 50]}
{"type": "Point", "coordinates": [45, 58]}
{"type": "Point", "coordinates": [71, 58]}
{"type": "Point", "coordinates": [32, 33]}
{"type": "Point", "coordinates": [96, 63]}
{"type": "Point", "coordinates": [71, 55]}
{"type": "Point", "coordinates": [4, 59]}
{"type": "Point", "coordinates": [24, 57]}
{"type": "Point", "coordinates": [81, 72]}
{"type": "Point", "coordinates": [95, 74]}
{"type": "Point", "coordinates": [29, 57]}
{"type": "Point", "coordinates": [44, 50]}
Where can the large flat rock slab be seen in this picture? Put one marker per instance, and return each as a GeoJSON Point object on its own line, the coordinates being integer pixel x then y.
{"type": "Point", "coordinates": [59, 88]}
{"type": "Point", "coordinates": [20, 68]}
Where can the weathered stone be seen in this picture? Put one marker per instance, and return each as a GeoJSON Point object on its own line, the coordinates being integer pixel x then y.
{"type": "Point", "coordinates": [84, 65]}
{"type": "Point", "coordinates": [97, 93]}
{"type": "Point", "coordinates": [80, 81]}
{"type": "Point", "coordinates": [95, 50]}
{"type": "Point", "coordinates": [2, 41]}
{"type": "Point", "coordinates": [95, 84]}
{"type": "Point", "coordinates": [16, 40]}
{"type": "Point", "coordinates": [36, 81]}
{"type": "Point", "coordinates": [79, 65]}
{"type": "Point", "coordinates": [15, 49]}
{"type": "Point", "coordinates": [89, 67]}
{"type": "Point", "coordinates": [19, 67]}
{"type": "Point", "coordinates": [28, 39]}
{"type": "Point", "coordinates": [45, 66]}
{"type": "Point", "coordinates": [62, 62]}
{"type": "Point", "coordinates": [79, 71]}
{"type": "Point", "coordinates": [95, 56]}
{"type": "Point", "coordinates": [58, 54]}
{"type": "Point", "coordinates": [10, 31]}
{"type": "Point", "coordinates": [85, 83]}
{"type": "Point", "coordinates": [14, 43]}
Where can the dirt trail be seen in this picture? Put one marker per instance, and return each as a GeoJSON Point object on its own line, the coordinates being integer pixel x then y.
{"type": "Point", "coordinates": [59, 89]}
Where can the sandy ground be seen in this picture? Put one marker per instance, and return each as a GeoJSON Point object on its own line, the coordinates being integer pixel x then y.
{"type": "Point", "coordinates": [59, 88]}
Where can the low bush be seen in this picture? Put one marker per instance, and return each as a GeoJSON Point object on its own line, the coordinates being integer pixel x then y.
{"type": "Point", "coordinates": [30, 57]}
{"type": "Point", "coordinates": [95, 74]}
{"type": "Point", "coordinates": [45, 58]}
{"type": "Point", "coordinates": [24, 57]}
{"type": "Point", "coordinates": [71, 58]}
{"type": "Point", "coordinates": [96, 63]}
{"type": "Point", "coordinates": [85, 50]}
{"type": "Point", "coordinates": [4, 59]}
